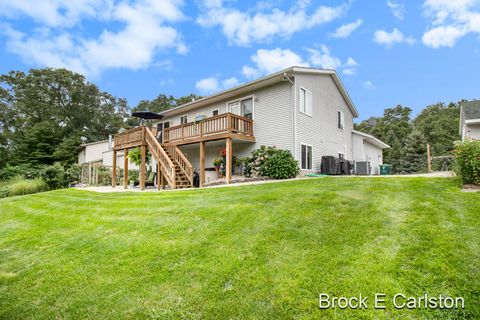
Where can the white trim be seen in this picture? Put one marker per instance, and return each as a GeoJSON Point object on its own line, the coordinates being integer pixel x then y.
{"type": "Point", "coordinates": [300, 105]}
{"type": "Point", "coordinates": [472, 121]}
{"type": "Point", "coordinates": [371, 139]}
{"type": "Point", "coordinates": [294, 107]}
{"type": "Point", "coordinates": [343, 120]}
{"type": "Point", "coordinates": [251, 96]}
{"type": "Point", "coordinates": [260, 83]}
{"type": "Point", "coordinates": [306, 145]}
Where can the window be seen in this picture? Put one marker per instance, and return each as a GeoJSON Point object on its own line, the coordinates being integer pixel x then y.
{"type": "Point", "coordinates": [340, 120]}
{"type": "Point", "coordinates": [243, 107]}
{"type": "Point", "coordinates": [247, 108]}
{"type": "Point", "coordinates": [215, 112]}
{"type": "Point", "coordinates": [183, 119]}
{"type": "Point", "coordinates": [305, 101]}
{"type": "Point", "coordinates": [341, 155]}
{"type": "Point", "coordinates": [306, 157]}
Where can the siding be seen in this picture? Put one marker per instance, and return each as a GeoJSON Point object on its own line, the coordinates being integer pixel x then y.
{"type": "Point", "coordinates": [374, 155]}
{"type": "Point", "coordinates": [473, 131]}
{"type": "Point", "coordinates": [272, 121]}
{"type": "Point", "coordinates": [320, 129]}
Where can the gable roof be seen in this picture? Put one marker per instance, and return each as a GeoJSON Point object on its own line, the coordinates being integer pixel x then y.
{"type": "Point", "coordinates": [371, 139]}
{"type": "Point", "coordinates": [471, 110]}
{"type": "Point", "coordinates": [261, 83]}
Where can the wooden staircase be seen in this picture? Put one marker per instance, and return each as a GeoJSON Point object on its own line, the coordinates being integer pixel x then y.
{"type": "Point", "coordinates": [172, 163]}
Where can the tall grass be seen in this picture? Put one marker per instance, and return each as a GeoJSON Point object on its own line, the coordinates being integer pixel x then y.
{"type": "Point", "coordinates": [19, 186]}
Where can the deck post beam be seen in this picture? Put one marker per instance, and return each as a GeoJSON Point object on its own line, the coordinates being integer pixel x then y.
{"type": "Point", "coordinates": [125, 169]}
{"type": "Point", "coordinates": [114, 169]}
{"type": "Point", "coordinates": [142, 167]}
{"type": "Point", "coordinates": [202, 163]}
{"type": "Point", "coordinates": [159, 176]}
{"type": "Point", "coordinates": [228, 166]}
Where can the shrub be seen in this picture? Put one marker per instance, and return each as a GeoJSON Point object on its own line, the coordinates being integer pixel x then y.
{"type": "Point", "coordinates": [271, 162]}
{"type": "Point", "coordinates": [467, 161]}
{"type": "Point", "coordinates": [73, 173]}
{"type": "Point", "coordinates": [26, 170]}
{"type": "Point", "coordinates": [20, 186]}
{"type": "Point", "coordinates": [281, 165]}
{"type": "Point", "coordinates": [55, 176]}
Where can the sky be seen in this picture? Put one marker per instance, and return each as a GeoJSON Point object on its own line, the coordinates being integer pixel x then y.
{"type": "Point", "coordinates": [413, 53]}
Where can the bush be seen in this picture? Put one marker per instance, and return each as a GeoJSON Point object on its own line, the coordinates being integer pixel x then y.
{"type": "Point", "coordinates": [467, 161]}
{"type": "Point", "coordinates": [281, 165]}
{"type": "Point", "coordinates": [271, 162]}
{"type": "Point", "coordinates": [26, 170]}
{"type": "Point", "coordinates": [74, 173]}
{"type": "Point", "coordinates": [19, 186]}
{"type": "Point", "coordinates": [55, 176]}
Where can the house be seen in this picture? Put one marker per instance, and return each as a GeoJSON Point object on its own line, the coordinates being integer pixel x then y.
{"type": "Point", "coordinates": [470, 120]}
{"type": "Point", "coordinates": [368, 148]}
{"type": "Point", "coordinates": [92, 155]}
{"type": "Point", "coordinates": [305, 110]}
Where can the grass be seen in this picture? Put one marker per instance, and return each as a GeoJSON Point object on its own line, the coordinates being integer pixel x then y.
{"type": "Point", "coordinates": [251, 252]}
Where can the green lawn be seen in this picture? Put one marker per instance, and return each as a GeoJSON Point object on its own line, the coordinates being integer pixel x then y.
{"type": "Point", "coordinates": [249, 252]}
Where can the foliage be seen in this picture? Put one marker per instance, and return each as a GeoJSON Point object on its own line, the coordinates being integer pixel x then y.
{"type": "Point", "coordinates": [281, 165]}
{"type": "Point", "coordinates": [414, 157]}
{"type": "Point", "coordinates": [105, 175]}
{"type": "Point", "coordinates": [439, 125]}
{"type": "Point", "coordinates": [467, 161]}
{"type": "Point", "coordinates": [55, 176]}
{"type": "Point", "coordinates": [135, 156]}
{"type": "Point", "coordinates": [221, 253]}
{"type": "Point", "coordinates": [44, 112]}
{"type": "Point", "coordinates": [271, 162]}
{"type": "Point", "coordinates": [159, 104]}
{"type": "Point", "coordinates": [26, 170]}
{"type": "Point", "coordinates": [20, 186]}
{"type": "Point", "coordinates": [73, 173]}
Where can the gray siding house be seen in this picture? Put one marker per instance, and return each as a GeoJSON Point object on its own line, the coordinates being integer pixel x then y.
{"type": "Point", "coordinates": [470, 120]}
{"type": "Point", "coordinates": [305, 110]}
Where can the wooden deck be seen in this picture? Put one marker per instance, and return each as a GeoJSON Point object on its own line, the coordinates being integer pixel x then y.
{"type": "Point", "coordinates": [226, 125]}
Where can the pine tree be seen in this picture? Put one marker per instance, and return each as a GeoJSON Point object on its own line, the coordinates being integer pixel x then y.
{"type": "Point", "coordinates": [414, 157]}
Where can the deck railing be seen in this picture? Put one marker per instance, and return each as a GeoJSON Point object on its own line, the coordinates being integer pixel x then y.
{"type": "Point", "coordinates": [130, 138]}
{"type": "Point", "coordinates": [224, 123]}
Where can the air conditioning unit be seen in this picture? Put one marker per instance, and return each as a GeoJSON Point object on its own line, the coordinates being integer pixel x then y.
{"type": "Point", "coordinates": [362, 167]}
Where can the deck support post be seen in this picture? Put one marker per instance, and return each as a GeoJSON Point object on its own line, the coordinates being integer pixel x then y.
{"type": "Point", "coordinates": [159, 176]}
{"type": "Point", "coordinates": [114, 169]}
{"type": "Point", "coordinates": [142, 167]}
{"type": "Point", "coordinates": [125, 169]}
{"type": "Point", "coordinates": [202, 163]}
{"type": "Point", "coordinates": [228, 166]}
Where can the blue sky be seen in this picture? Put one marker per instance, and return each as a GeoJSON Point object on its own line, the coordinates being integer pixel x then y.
{"type": "Point", "coordinates": [392, 52]}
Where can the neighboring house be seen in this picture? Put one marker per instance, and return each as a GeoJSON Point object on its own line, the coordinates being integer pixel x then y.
{"type": "Point", "coordinates": [368, 148]}
{"type": "Point", "coordinates": [100, 153]}
{"type": "Point", "coordinates": [304, 110]}
{"type": "Point", "coordinates": [470, 120]}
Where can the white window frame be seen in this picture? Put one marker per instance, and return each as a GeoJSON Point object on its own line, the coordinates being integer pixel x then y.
{"type": "Point", "coordinates": [306, 111]}
{"type": "Point", "coordinates": [342, 119]}
{"type": "Point", "coordinates": [184, 116]}
{"type": "Point", "coordinates": [239, 100]}
{"type": "Point", "coordinates": [218, 112]}
{"type": "Point", "coordinates": [301, 156]}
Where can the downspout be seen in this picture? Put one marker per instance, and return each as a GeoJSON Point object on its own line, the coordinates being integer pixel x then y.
{"type": "Point", "coordinates": [294, 124]}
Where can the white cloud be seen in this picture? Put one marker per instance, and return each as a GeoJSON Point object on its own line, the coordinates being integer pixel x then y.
{"type": "Point", "coordinates": [369, 85]}
{"type": "Point", "coordinates": [451, 20]}
{"type": "Point", "coordinates": [322, 58]}
{"type": "Point", "coordinates": [398, 9]}
{"type": "Point", "coordinates": [244, 28]}
{"type": "Point", "coordinates": [391, 38]}
{"type": "Point", "coordinates": [213, 84]}
{"type": "Point", "coordinates": [346, 29]}
{"type": "Point", "coordinates": [269, 61]}
{"type": "Point", "coordinates": [350, 67]}
{"type": "Point", "coordinates": [145, 32]}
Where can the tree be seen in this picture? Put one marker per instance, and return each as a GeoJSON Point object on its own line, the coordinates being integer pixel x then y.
{"type": "Point", "coordinates": [439, 125]}
{"type": "Point", "coordinates": [414, 157]}
{"type": "Point", "coordinates": [393, 128]}
{"type": "Point", "coordinates": [42, 110]}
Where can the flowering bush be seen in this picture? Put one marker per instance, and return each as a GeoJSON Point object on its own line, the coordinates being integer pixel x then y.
{"type": "Point", "coordinates": [467, 161]}
{"type": "Point", "coordinates": [271, 162]}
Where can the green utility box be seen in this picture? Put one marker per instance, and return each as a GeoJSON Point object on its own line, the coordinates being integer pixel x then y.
{"type": "Point", "coordinates": [385, 169]}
